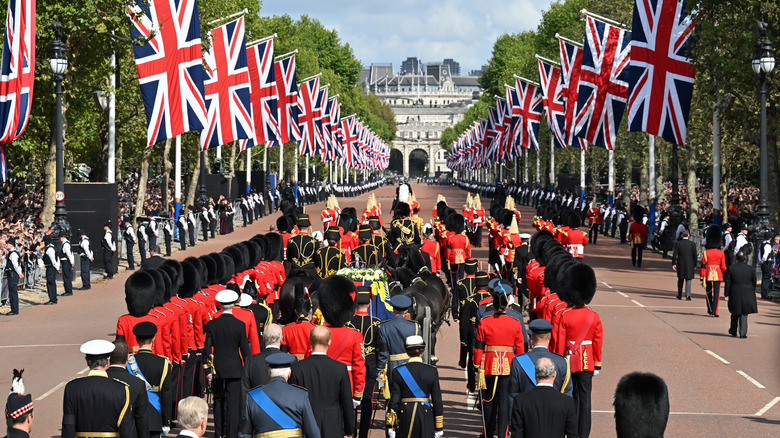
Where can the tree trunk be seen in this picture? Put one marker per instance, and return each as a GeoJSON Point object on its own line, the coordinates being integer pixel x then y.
{"type": "Point", "coordinates": [166, 180]}
{"type": "Point", "coordinates": [661, 171]}
{"type": "Point", "coordinates": [644, 178]}
{"type": "Point", "coordinates": [139, 201]}
{"type": "Point", "coordinates": [50, 180]}
{"type": "Point", "coordinates": [233, 147]}
{"type": "Point", "coordinates": [627, 183]}
{"type": "Point", "coordinates": [192, 187]}
{"type": "Point", "coordinates": [693, 202]}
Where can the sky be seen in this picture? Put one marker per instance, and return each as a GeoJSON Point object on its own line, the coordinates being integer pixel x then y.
{"type": "Point", "coordinates": [392, 30]}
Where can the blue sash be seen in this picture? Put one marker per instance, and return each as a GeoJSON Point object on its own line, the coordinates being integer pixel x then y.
{"type": "Point", "coordinates": [411, 383]}
{"type": "Point", "coordinates": [154, 398]}
{"type": "Point", "coordinates": [272, 410]}
{"type": "Point", "coordinates": [528, 366]}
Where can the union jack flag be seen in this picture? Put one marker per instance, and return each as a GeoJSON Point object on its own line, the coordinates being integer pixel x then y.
{"type": "Point", "coordinates": [348, 138]}
{"type": "Point", "coordinates": [603, 88]}
{"type": "Point", "coordinates": [571, 66]}
{"type": "Point", "coordinates": [661, 74]}
{"type": "Point", "coordinates": [287, 94]}
{"type": "Point", "coordinates": [552, 99]}
{"type": "Point", "coordinates": [307, 100]}
{"type": "Point", "coordinates": [170, 66]}
{"type": "Point", "coordinates": [531, 104]}
{"type": "Point", "coordinates": [334, 109]}
{"type": "Point", "coordinates": [17, 75]}
{"type": "Point", "coordinates": [228, 102]}
{"type": "Point", "coordinates": [327, 133]}
{"type": "Point", "coordinates": [262, 79]}
{"type": "Point", "coordinates": [319, 115]}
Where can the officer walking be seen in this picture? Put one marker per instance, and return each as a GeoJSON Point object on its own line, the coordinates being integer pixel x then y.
{"type": "Point", "coordinates": [13, 270]}
{"type": "Point", "coordinates": [52, 263]}
{"type": "Point", "coordinates": [66, 265]}
{"type": "Point", "coordinates": [108, 250]}
{"type": "Point", "coordinates": [278, 409]}
{"type": "Point", "coordinates": [85, 259]}
{"type": "Point", "coordinates": [156, 372]}
{"type": "Point", "coordinates": [94, 405]}
{"type": "Point", "coordinates": [368, 326]}
{"type": "Point", "coordinates": [391, 339]}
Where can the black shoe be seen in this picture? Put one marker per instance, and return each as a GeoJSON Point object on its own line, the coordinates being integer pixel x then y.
{"type": "Point", "coordinates": [49, 303]}
{"type": "Point", "coordinates": [67, 295]}
{"type": "Point", "coordinates": [733, 334]}
{"type": "Point", "coordinates": [85, 288]}
{"type": "Point", "coordinates": [679, 297]}
{"type": "Point", "coordinates": [12, 313]}
{"type": "Point", "coordinates": [687, 298]}
{"type": "Point", "coordinates": [743, 337]}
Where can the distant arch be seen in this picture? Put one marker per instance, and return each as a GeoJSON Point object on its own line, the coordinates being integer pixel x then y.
{"type": "Point", "coordinates": [418, 163]}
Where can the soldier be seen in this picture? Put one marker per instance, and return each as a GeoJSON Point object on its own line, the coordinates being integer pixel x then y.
{"type": "Point", "coordinates": [19, 414]}
{"type": "Point", "coordinates": [13, 270]}
{"type": "Point", "coordinates": [402, 230]}
{"type": "Point", "coordinates": [52, 263]}
{"type": "Point", "coordinates": [576, 239]}
{"type": "Point", "coordinates": [143, 238]}
{"type": "Point", "coordinates": [226, 340]}
{"type": "Point", "coordinates": [181, 224]}
{"type": "Point", "coordinates": [94, 405]}
{"type": "Point", "coordinates": [128, 235]}
{"type": "Point", "coordinates": [458, 250]}
{"type": "Point", "coordinates": [295, 336]}
{"type": "Point", "coordinates": [468, 326]}
{"type": "Point", "coordinates": [594, 221]}
{"type": "Point", "coordinates": [431, 247]}
{"type": "Point", "coordinates": [499, 338]}
{"type": "Point", "coordinates": [415, 407]}
{"type": "Point", "coordinates": [368, 326]}
{"type": "Point", "coordinates": [366, 252]}
{"type": "Point", "coordinates": [713, 266]}
{"type": "Point", "coordinates": [391, 339]}
{"type": "Point", "coordinates": [465, 287]}
{"type": "Point", "coordinates": [381, 242]}
{"type": "Point", "coordinates": [637, 233]}
{"type": "Point", "coordinates": [139, 401]}
{"type": "Point", "coordinates": [329, 258]}
{"type": "Point", "coordinates": [66, 265]}
{"type": "Point", "coordinates": [302, 248]}
{"type": "Point", "coordinates": [479, 221]}
{"type": "Point", "coordinates": [156, 372]}
{"type": "Point", "coordinates": [85, 259]}
{"type": "Point", "coordinates": [278, 409]}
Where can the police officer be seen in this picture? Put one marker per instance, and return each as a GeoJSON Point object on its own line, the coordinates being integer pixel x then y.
{"type": "Point", "coordinates": [278, 409]}
{"type": "Point", "coordinates": [85, 259]}
{"type": "Point", "coordinates": [191, 224]}
{"type": "Point", "coordinates": [330, 258]}
{"type": "Point", "coordinates": [95, 405]}
{"type": "Point", "coordinates": [13, 270]}
{"type": "Point", "coordinates": [391, 339]}
{"type": "Point", "coordinates": [368, 326]}
{"type": "Point", "coordinates": [128, 235]}
{"type": "Point", "coordinates": [143, 237]}
{"type": "Point", "coordinates": [156, 372]}
{"type": "Point", "coordinates": [167, 234]}
{"type": "Point", "coordinates": [66, 265]}
{"type": "Point", "coordinates": [108, 246]}
{"type": "Point", "coordinates": [415, 407]}
{"type": "Point", "coordinates": [153, 231]}
{"type": "Point", "coordinates": [204, 222]}
{"type": "Point", "coordinates": [52, 263]}
{"type": "Point", "coordinates": [181, 224]}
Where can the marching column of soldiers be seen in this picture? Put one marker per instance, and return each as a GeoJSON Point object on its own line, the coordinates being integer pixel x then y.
{"type": "Point", "coordinates": [195, 327]}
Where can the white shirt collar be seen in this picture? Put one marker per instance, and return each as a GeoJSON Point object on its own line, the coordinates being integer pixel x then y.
{"type": "Point", "coordinates": [544, 384]}
{"type": "Point", "coordinates": [189, 433]}
{"type": "Point", "coordinates": [319, 353]}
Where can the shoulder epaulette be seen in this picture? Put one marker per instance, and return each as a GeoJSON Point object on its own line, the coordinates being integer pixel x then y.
{"type": "Point", "coordinates": [299, 387]}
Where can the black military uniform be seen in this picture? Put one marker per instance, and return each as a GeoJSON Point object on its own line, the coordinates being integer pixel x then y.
{"type": "Point", "coordinates": [330, 259]}
{"type": "Point", "coordinates": [95, 405]}
{"type": "Point", "coordinates": [415, 397]}
{"type": "Point", "coordinates": [468, 327]}
{"type": "Point", "coordinates": [385, 249]}
{"type": "Point", "coordinates": [181, 224]}
{"type": "Point", "coordinates": [391, 337]}
{"type": "Point", "coordinates": [226, 339]}
{"type": "Point", "coordinates": [464, 287]}
{"type": "Point", "coordinates": [403, 231]}
{"type": "Point", "coordinates": [139, 402]}
{"type": "Point", "coordinates": [302, 248]}
{"type": "Point", "coordinates": [156, 371]}
{"type": "Point", "coordinates": [366, 252]}
{"type": "Point", "coordinates": [13, 270]}
{"type": "Point", "coordinates": [66, 265]}
{"type": "Point", "coordinates": [167, 233]}
{"type": "Point", "coordinates": [277, 407]}
{"type": "Point", "coordinates": [368, 326]}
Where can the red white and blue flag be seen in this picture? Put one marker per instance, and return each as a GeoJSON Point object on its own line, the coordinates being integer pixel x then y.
{"type": "Point", "coordinates": [170, 66]}
{"type": "Point", "coordinates": [348, 138]}
{"type": "Point", "coordinates": [603, 88]}
{"type": "Point", "coordinates": [287, 93]}
{"type": "Point", "coordinates": [334, 111]}
{"type": "Point", "coordinates": [531, 107]}
{"type": "Point", "coordinates": [661, 73]}
{"type": "Point", "coordinates": [571, 66]}
{"type": "Point", "coordinates": [552, 99]}
{"type": "Point", "coordinates": [260, 60]}
{"type": "Point", "coordinates": [319, 115]}
{"type": "Point", "coordinates": [228, 102]}
{"type": "Point", "coordinates": [17, 75]}
{"type": "Point", "coordinates": [308, 93]}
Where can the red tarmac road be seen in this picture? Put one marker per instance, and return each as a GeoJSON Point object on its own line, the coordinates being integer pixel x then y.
{"type": "Point", "coordinates": [719, 386]}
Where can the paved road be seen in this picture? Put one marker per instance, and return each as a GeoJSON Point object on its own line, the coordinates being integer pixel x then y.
{"type": "Point", "coordinates": [719, 386]}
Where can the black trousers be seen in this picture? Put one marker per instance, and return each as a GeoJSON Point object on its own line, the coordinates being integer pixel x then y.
{"type": "Point", "coordinates": [130, 260]}
{"type": "Point", "coordinates": [85, 281]}
{"type": "Point", "coordinates": [167, 245]}
{"type": "Point", "coordinates": [495, 412]}
{"type": "Point", "coordinates": [636, 254]}
{"type": "Point", "coordinates": [142, 250]}
{"type": "Point", "coordinates": [67, 276]}
{"type": "Point", "coordinates": [212, 227]}
{"type": "Point", "coordinates": [13, 290]}
{"type": "Point", "coordinates": [191, 231]}
{"type": "Point", "coordinates": [623, 232]}
{"type": "Point", "coordinates": [51, 286]}
{"type": "Point", "coordinates": [738, 321]}
{"type": "Point", "coordinates": [205, 228]}
{"type": "Point", "coordinates": [593, 234]}
{"type": "Point", "coordinates": [108, 263]}
{"type": "Point", "coordinates": [766, 277]}
{"type": "Point", "coordinates": [713, 296]}
{"type": "Point", "coordinates": [478, 238]}
{"type": "Point", "coordinates": [680, 283]}
{"type": "Point", "coordinates": [366, 408]}
{"type": "Point", "coordinates": [183, 238]}
{"type": "Point", "coordinates": [456, 274]}
{"type": "Point", "coordinates": [227, 404]}
{"type": "Point", "coordinates": [582, 383]}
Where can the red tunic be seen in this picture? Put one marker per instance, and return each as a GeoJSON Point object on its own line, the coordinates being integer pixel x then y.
{"type": "Point", "coordinates": [479, 217]}
{"type": "Point", "coordinates": [580, 322]}
{"type": "Point", "coordinates": [124, 327]}
{"type": "Point", "coordinates": [181, 319]}
{"type": "Point", "coordinates": [637, 233]}
{"type": "Point", "coordinates": [594, 216]}
{"type": "Point", "coordinates": [713, 265]}
{"type": "Point", "coordinates": [499, 340]}
{"type": "Point", "coordinates": [329, 218]}
{"type": "Point", "coordinates": [346, 346]}
{"type": "Point", "coordinates": [511, 242]}
{"type": "Point", "coordinates": [576, 242]}
{"type": "Point", "coordinates": [561, 234]}
{"type": "Point", "coordinates": [535, 279]}
{"type": "Point", "coordinates": [432, 248]}
{"type": "Point", "coordinates": [296, 337]}
{"type": "Point", "coordinates": [458, 248]}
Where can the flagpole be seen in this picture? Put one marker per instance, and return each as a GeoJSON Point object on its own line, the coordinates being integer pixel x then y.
{"type": "Point", "coordinates": [281, 164]}
{"type": "Point", "coordinates": [255, 42]}
{"type": "Point", "coordinates": [552, 161]}
{"type": "Point", "coordinates": [310, 78]}
{"type": "Point", "coordinates": [307, 170]}
{"type": "Point", "coordinates": [267, 179]}
{"type": "Point", "coordinates": [237, 14]}
{"type": "Point", "coordinates": [570, 41]}
{"type": "Point", "coordinates": [112, 122]}
{"type": "Point", "coordinates": [248, 170]}
{"type": "Point", "coordinates": [286, 55]}
{"type": "Point", "coordinates": [611, 178]}
{"type": "Point", "coordinates": [525, 79]}
{"type": "Point", "coordinates": [604, 19]}
{"type": "Point", "coordinates": [525, 171]}
{"type": "Point", "coordinates": [177, 186]}
{"type": "Point", "coordinates": [582, 174]}
{"type": "Point", "coordinates": [651, 181]}
{"type": "Point", "coordinates": [538, 164]}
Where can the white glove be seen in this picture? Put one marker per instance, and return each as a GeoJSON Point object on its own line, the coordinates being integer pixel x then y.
{"type": "Point", "coordinates": [391, 433]}
{"type": "Point", "coordinates": [380, 383]}
{"type": "Point", "coordinates": [596, 372]}
{"type": "Point", "coordinates": [438, 434]}
{"type": "Point", "coordinates": [355, 403]}
{"type": "Point", "coordinates": [165, 430]}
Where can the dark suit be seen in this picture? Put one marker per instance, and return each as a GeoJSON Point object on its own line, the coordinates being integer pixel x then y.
{"type": "Point", "coordinates": [157, 371]}
{"type": "Point", "coordinates": [153, 262]}
{"type": "Point", "coordinates": [543, 412]}
{"type": "Point", "coordinates": [226, 335]}
{"type": "Point", "coordinates": [740, 290]}
{"type": "Point", "coordinates": [96, 404]}
{"type": "Point", "coordinates": [256, 371]}
{"type": "Point", "coordinates": [520, 382]}
{"type": "Point", "coordinates": [294, 402]}
{"type": "Point", "coordinates": [139, 402]}
{"type": "Point", "coordinates": [330, 394]}
{"type": "Point", "coordinates": [685, 258]}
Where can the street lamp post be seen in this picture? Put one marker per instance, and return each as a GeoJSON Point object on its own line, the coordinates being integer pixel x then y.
{"type": "Point", "coordinates": [59, 65]}
{"type": "Point", "coordinates": [763, 64]}
{"type": "Point", "coordinates": [203, 198]}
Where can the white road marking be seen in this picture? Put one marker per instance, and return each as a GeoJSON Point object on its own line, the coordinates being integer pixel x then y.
{"type": "Point", "coordinates": [622, 294]}
{"type": "Point", "coordinates": [730, 414]}
{"type": "Point", "coordinates": [717, 357]}
{"type": "Point", "coordinates": [637, 303]}
{"type": "Point", "coordinates": [607, 285]}
{"type": "Point", "coordinates": [633, 305]}
{"type": "Point", "coordinates": [39, 345]}
{"type": "Point", "coordinates": [751, 380]}
{"type": "Point", "coordinates": [768, 406]}
{"type": "Point", "coordinates": [51, 391]}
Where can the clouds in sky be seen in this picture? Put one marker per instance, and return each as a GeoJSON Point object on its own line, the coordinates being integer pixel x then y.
{"type": "Point", "coordinates": [391, 31]}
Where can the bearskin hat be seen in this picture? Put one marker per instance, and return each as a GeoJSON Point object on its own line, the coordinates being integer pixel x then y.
{"type": "Point", "coordinates": [283, 224]}
{"type": "Point", "coordinates": [580, 284]}
{"type": "Point", "coordinates": [140, 290]}
{"type": "Point", "coordinates": [456, 223]}
{"type": "Point", "coordinates": [712, 237]}
{"type": "Point", "coordinates": [548, 250]}
{"type": "Point", "coordinates": [440, 206]}
{"type": "Point", "coordinates": [168, 284]}
{"type": "Point", "coordinates": [538, 239]}
{"type": "Point", "coordinates": [641, 406]}
{"type": "Point", "coordinates": [506, 218]}
{"type": "Point", "coordinates": [638, 213]}
{"type": "Point", "coordinates": [254, 252]}
{"type": "Point", "coordinates": [335, 299]}
{"type": "Point", "coordinates": [262, 242]}
{"type": "Point", "coordinates": [174, 276]}
{"type": "Point", "coordinates": [555, 261]}
{"type": "Point", "coordinates": [159, 287]}
{"type": "Point", "coordinates": [274, 249]}
{"type": "Point", "coordinates": [192, 280]}
{"type": "Point", "coordinates": [402, 209]}
{"type": "Point", "coordinates": [229, 267]}
{"type": "Point", "coordinates": [245, 257]}
{"type": "Point", "coordinates": [574, 220]}
{"type": "Point", "coordinates": [560, 278]}
{"type": "Point", "coordinates": [176, 265]}
{"type": "Point", "coordinates": [302, 303]}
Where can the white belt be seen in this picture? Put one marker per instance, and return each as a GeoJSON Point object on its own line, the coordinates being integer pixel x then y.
{"type": "Point", "coordinates": [586, 342]}
{"type": "Point", "coordinates": [349, 367]}
{"type": "Point", "coordinates": [576, 249]}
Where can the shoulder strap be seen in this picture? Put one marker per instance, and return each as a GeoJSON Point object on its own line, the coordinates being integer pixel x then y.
{"type": "Point", "coordinates": [584, 331]}
{"type": "Point", "coordinates": [272, 410]}
{"type": "Point", "coordinates": [154, 397]}
{"type": "Point", "coordinates": [411, 383]}
{"type": "Point", "coordinates": [528, 367]}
